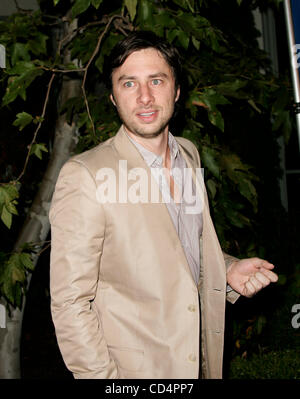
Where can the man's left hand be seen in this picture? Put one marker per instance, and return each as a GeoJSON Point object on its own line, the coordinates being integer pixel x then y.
{"type": "Point", "coordinates": [248, 276]}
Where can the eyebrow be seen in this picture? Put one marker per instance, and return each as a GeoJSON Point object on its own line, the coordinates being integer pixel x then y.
{"type": "Point", "coordinates": [154, 75]}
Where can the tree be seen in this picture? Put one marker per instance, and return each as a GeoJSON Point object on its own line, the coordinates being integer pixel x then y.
{"type": "Point", "coordinates": [61, 49]}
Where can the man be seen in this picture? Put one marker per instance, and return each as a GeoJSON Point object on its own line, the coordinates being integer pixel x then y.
{"type": "Point", "coordinates": [138, 285]}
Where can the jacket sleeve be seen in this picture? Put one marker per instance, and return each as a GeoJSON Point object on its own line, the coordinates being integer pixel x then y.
{"type": "Point", "coordinates": [77, 235]}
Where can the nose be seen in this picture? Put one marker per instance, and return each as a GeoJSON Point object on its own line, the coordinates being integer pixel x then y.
{"type": "Point", "coordinates": [145, 96]}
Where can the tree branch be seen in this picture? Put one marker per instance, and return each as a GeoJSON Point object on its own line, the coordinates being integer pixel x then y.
{"type": "Point", "coordinates": [88, 65]}
{"type": "Point", "coordinates": [38, 128]}
{"type": "Point", "coordinates": [121, 23]}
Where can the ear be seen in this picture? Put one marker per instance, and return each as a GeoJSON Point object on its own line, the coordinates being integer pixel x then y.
{"type": "Point", "coordinates": [177, 94]}
{"type": "Point", "coordinates": [111, 96]}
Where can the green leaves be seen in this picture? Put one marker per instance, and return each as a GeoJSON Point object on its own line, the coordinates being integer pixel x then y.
{"type": "Point", "coordinates": [107, 46]}
{"type": "Point", "coordinates": [13, 277]}
{"type": "Point", "coordinates": [8, 201]}
{"type": "Point", "coordinates": [239, 173]}
{"type": "Point", "coordinates": [80, 6]}
{"type": "Point", "coordinates": [19, 52]}
{"type": "Point", "coordinates": [209, 158]}
{"type": "Point", "coordinates": [23, 119]}
{"type": "Point", "coordinates": [210, 99]}
{"type": "Point", "coordinates": [96, 3]}
{"type": "Point", "coordinates": [23, 74]}
{"type": "Point", "coordinates": [38, 45]}
{"type": "Point", "coordinates": [145, 18]}
{"type": "Point", "coordinates": [37, 149]}
{"type": "Point", "coordinates": [131, 7]}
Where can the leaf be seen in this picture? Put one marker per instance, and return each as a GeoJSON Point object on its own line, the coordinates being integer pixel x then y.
{"type": "Point", "coordinates": [8, 291]}
{"type": "Point", "coordinates": [209, 158]}
{"type": "Point", "coordinates": [253, 105]}
{"type": "Point", "coordinates": [236, 218]}
{"type": "Point", "coordinates": [21, 68]}
{"type": "Point", "coordinates": [10, 206]}
{"type": "Point", "coordinates": [26, 261]}
{"type": "Point", "coordinates": [17, 274]}
{"type": "Point", "coordinates": [96, 3]}
{"type": "Point", "coordinates": [107, 46]}
{"type": "Point", "coordinates": [80, 6]}
{"type": "Point", "coordinates": [212, 187]}
{"type": "Point", "coordinates": [19, 52]}
{"type": "Point", "coordinates": [55, 2]}
{"type": "Point", "coordinates": [145, 10]}
{"type": "Point", "coordinates": [248, 191]}
{"type": "Point", "coordinates": [37, 149]}
{"type": "Point", "coordinates": [184, 39]}
{"type": "Point", "coordinates": [13, 279]}
{"type": "Point", "coordinates": [211, 98]}
{"type": "Point", "coordinates": [171, 34]}
{"type": "Point", "coordinates": [8, 196]}
{"type": "Point", "coordinates": [18, 84]}
{"type": "Point", "coordinates": [196, 43]}
{"type": "Point", "coordinates": [23, 119]}
{"type": "Point", "coordinates": [6, 217]}
{"type": "Point", "coordinates": [231, 88]}
{"type": "Point", "coordinates": [131, 7]}
{"type": "Point", "coordinates": [215, 117]}
{"type": "Point", "coordinates": [38, 45]}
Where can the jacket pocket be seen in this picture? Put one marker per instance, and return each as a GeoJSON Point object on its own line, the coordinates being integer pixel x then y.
{"type": "Point", "coordinates": [127, 358]}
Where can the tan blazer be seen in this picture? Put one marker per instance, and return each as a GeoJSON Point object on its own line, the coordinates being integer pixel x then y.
{"type": "Point", "coordinates": [123, 300]}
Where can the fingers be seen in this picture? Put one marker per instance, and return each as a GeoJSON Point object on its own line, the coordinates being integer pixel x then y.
{"type": "Point", "coordinates": [270, 275]}
{"type": "Point", "coordinates": [263, 279]}
{"type": "Point", "coordinates": [259, 281]}
{"type": "Point", "coordinates": [249, 289]}
{"type": "Point", "coordinates": [267, 265]}
{"type": "Point", "coordinates": [261, 263]}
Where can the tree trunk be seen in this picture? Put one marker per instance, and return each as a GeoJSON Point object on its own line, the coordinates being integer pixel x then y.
{"type": "Point", "coordinates": [36, 226]}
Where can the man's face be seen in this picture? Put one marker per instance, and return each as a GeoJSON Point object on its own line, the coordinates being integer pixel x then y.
{"type": "Point", "coordinates": [144, 93]}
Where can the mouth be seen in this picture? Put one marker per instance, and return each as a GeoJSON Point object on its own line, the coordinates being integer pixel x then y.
{"type": "Point", "coordinates": [147, 117]}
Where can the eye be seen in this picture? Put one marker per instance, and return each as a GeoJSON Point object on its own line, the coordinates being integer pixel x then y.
{"type": "Point", "coordinates": [129, 84]}
{"type": "Point", "coordinates": [156, 82]}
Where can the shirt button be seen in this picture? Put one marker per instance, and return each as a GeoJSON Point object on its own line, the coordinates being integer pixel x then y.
{"type": "Point", "coordinates": [192, 308]}
{"type": "Point", "coordinates": [192, 357]}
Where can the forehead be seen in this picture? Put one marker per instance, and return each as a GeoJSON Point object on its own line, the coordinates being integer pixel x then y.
{"type": "Point", "coordinates": [143, 63]}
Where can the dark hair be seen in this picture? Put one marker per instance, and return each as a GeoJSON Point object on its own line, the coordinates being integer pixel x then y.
{"type": "Point", "coordinates": [141, 40]}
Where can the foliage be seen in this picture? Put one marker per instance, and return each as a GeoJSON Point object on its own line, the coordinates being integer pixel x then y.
{"type": "Point", "coordinates": [282, 364]}
{"type": "Point", "coordinates": [13, 280]}
{"type": "Point", "coordinates": [224, 70]}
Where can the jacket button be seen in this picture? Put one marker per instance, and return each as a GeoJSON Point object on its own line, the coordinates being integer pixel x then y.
{"type": "Point", "coordinates": [192, 308]}
{"type": "Point", "coordinates": [192, 357]}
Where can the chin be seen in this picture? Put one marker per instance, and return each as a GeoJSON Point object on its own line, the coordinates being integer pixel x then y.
{"type": "Point", "coordinates": [148, 134]}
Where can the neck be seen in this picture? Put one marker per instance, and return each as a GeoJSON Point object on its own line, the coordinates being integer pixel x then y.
{"type": "Point", "coordinates": [158, 145]}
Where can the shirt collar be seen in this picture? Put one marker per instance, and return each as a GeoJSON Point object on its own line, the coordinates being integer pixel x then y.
{"type": "Point", "coordinates": [152, 159]}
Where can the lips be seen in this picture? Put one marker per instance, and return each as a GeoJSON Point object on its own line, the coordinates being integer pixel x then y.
{"type": "Point", "coordinates": [147, 116]}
